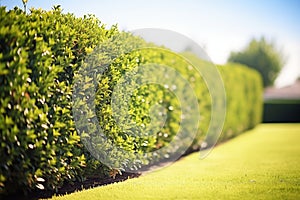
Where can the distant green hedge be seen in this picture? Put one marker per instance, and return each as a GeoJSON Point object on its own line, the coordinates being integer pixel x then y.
{"type": "Point", "coordinates": [41, 53]}
{"type": "Point", "coordinates": [281, 111]}
{"type": "Point", "coordinates": [244, 99]}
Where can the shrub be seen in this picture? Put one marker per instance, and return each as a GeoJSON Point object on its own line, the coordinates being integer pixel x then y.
{"type": "Point", "coordinates": [281, 111]}
{"type": "Point", "coordinates": [133, 133]}
{"type": "Point", "coordinates": [42, 53]}
{"type": "Point", "coordinates": [39, 52]}
{"type": "Point", "coordinates": [243, 87]}
{"type": "Point", "coordinates": [244, 99]}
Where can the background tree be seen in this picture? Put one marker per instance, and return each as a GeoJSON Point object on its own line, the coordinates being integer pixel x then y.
{"type": "Point", "coordinates": [262, 56]}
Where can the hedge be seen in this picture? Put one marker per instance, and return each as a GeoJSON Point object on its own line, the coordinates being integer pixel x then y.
{"type": "Point", "coordinates": [39, 52]}
{"type": "Point", "coordinates": [132, 133]}
{"type": "Point", "coordinates": [244, 96]}
{"type": "Point", "coordinates": [44, 55]}
{"type": "Point", "coordinates": [244, 99]}
{"type": "Point", "coordinates": [281, 111]}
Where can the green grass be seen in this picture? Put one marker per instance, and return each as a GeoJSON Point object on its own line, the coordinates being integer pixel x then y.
{"type": "Point", "coordinates": [263, 163]}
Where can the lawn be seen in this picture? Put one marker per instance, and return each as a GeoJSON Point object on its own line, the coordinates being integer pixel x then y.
{"type": "Point", "coordinates": [263, 163]}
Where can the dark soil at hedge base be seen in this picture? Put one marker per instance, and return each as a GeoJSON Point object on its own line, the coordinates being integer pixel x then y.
{"type": "Point", "coordinates": [76, 186]}
{"type": "Point", "coordinates": [92, 182]}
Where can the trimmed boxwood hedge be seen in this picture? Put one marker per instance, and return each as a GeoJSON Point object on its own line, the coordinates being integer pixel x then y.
{"type": "Point", "coordinates": [244, 99]}
{"type": "Point", "coordinates": [40, 53]}
{"type": "Point", "coordinates": [134, 137]}
{"type": "Point", "coordinates": [281, 111]}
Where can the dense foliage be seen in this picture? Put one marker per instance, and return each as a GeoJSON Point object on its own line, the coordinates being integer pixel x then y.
{"type": "Point", "coordinates": [281, 111]}
{"type": "Point", "coordinates": [243, 88]}
{"type": "Point", "coordinates": [244, 99]}
{"type": "Point", "coordinates": [41, 53]}
{"type": "Point", "coordinates": [261, 56]}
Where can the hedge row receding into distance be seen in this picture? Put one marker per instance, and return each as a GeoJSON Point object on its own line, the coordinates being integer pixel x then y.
{"type": "Point", "coordinates": [41, 54]}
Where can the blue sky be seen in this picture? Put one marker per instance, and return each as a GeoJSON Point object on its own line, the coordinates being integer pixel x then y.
{"type": "Point", "coordinates": [220, 26]}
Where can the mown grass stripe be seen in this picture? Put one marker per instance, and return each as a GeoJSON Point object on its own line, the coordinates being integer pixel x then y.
{"type": "Point", "coordinates": [262, 163]}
